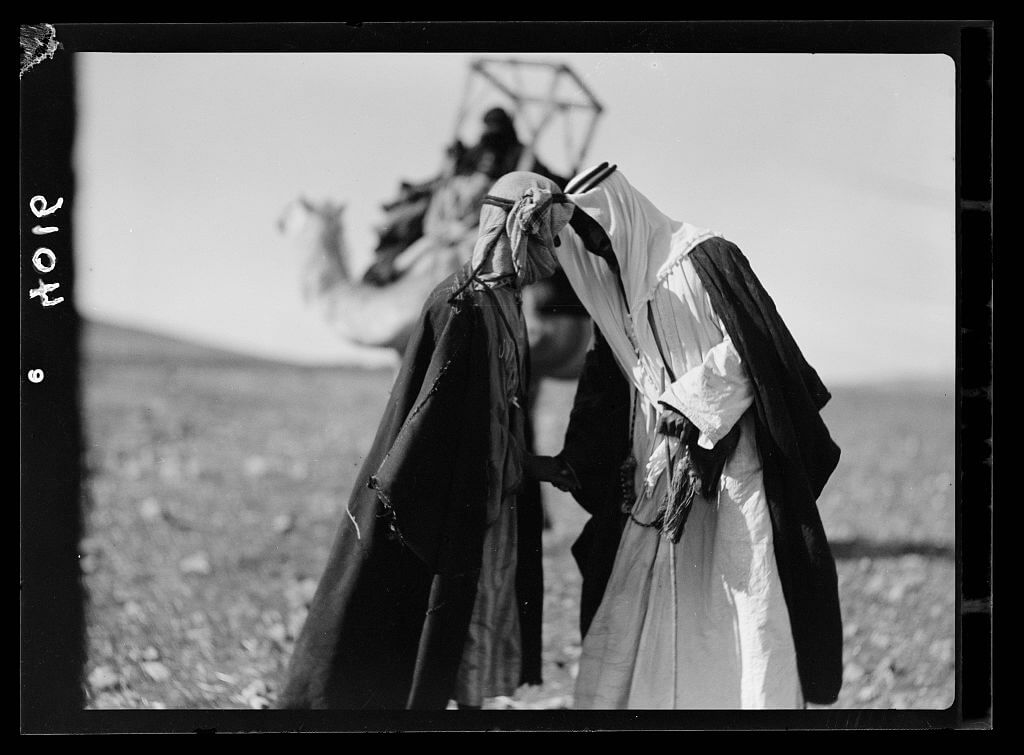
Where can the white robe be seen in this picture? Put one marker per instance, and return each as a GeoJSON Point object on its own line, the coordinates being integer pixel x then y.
{"type": "Point", "coordinates": [729, 644]}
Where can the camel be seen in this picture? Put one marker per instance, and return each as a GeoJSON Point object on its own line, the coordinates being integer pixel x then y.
{"type": "Point", "coordinates": [359, 313]}
{"type": "Point", "coordinates": [383, 316]}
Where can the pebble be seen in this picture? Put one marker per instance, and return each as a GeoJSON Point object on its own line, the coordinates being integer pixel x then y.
{"type": "Point", "coordinates": [103, 678]}
{"type": "Point", "coordinates": [866, 694]}
{"type": "Point", "coordinates": [256, 466]}
{"type": "Point", "coordinates": [197, 563]}
{"type": "Point", "coordinates": [132, 470]}
{"type": "Point", "coordinates": [170, 469]}
{"type": "Point", "coordinates": [875, 585]}
{"type": "Point", "coordinates": [942, 649]}
{"type": "Point", "coordinates": [295, 621]}
{"type": "Point", "coordinates": [300, 593]}
{"type": "Point", "coordinates": [201, 636]}
{"type": "Point", "coordinates": [88, 563]}
{"type": "Point", "coordinates": [895, 595]}
{"type": "Point", "coordinates": [278, 633]}
{"type": "Point", "coordinates": [885, 672]}
{"type": "Point", "coordinates": [901, 701]}
{"type": "Point", "coordinates": [841, 531]}
{"type": "Point", "coordinates": [256, 694]}
{"type": "Point", "coordinates": [150, 509]}
{"type": "Point", "coordinates": [156, 671]}
{"type": "Point", "coordinates": [283, 523]}
{"type": "Point", "coordinates": [133, 611]}
{"type": "Point", "coordinates": [250, 644]}
{"type": "Point", "coordinates": [852, 672]}
{"type": "Point", "coordinates": [915, 563]}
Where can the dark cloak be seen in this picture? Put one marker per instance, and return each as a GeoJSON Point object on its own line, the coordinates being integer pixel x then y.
{"type": "Point", "coordinates": [387, 625]}
{"type": "Point", "coordinates": [596, 443]}
{"type": "Point", "coordinates": [798, 456]}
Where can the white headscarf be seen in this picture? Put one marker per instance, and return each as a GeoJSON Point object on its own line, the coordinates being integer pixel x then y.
{"type": "Point", "coordinates": [520, 240]}
{"type": "Point", "coordinates": [646, 243]}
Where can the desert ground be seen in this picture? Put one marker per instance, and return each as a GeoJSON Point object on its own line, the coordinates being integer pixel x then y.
{"type": "Point", "coordinates": [214, 485]}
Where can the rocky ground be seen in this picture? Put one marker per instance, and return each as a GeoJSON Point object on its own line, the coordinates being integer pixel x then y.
{"type": "Point", "coordinates": [213, 492]}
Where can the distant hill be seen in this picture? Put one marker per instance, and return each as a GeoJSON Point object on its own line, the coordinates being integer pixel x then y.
{"type": "Point", "coordinates": [934, 386]}
{"type": "Point", "coordinates": [106, 342]}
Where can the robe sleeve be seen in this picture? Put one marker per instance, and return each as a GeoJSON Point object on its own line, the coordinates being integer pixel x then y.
{"type": "Point", "coordinates": [714, 394]}
{"type": "Point", "coordinates": [434, 478]}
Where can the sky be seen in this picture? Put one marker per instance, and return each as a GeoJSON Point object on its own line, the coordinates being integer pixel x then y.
{"type": "Point", "coordinates": [833, 172]}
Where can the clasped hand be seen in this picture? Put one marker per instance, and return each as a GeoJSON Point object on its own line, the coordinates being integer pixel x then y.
{"type": "Point", "coordinates": [675, 424]}
{"type": "Point", "coordinates": [552, 469]}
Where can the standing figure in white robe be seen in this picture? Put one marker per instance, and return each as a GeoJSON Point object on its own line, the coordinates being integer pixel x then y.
{"type": "Point", "coordinates": [701, 623]}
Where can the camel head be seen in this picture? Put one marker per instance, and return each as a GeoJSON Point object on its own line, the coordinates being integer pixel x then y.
{"type": "Point", "coordinates": [318, 231]}
{"type": "Point", "coordinates": [305, 219]}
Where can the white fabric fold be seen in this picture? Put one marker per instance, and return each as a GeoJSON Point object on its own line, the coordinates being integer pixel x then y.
{"type": "Point", "coordinates": [714, 394]}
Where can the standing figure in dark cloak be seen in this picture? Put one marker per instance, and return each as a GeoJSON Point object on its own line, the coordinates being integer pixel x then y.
{"type": "Point", "coordinates": [499, 151]}
{"type": "Point", "coordinates": [696, 437]}
{"type": "Point", "coordinates": [433, 588]}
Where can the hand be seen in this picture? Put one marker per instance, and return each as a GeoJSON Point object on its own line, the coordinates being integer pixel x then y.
{"type": "Point", "coordinates": [551, 469]}
{"type": "Point", "coordinates": [673, 423]}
